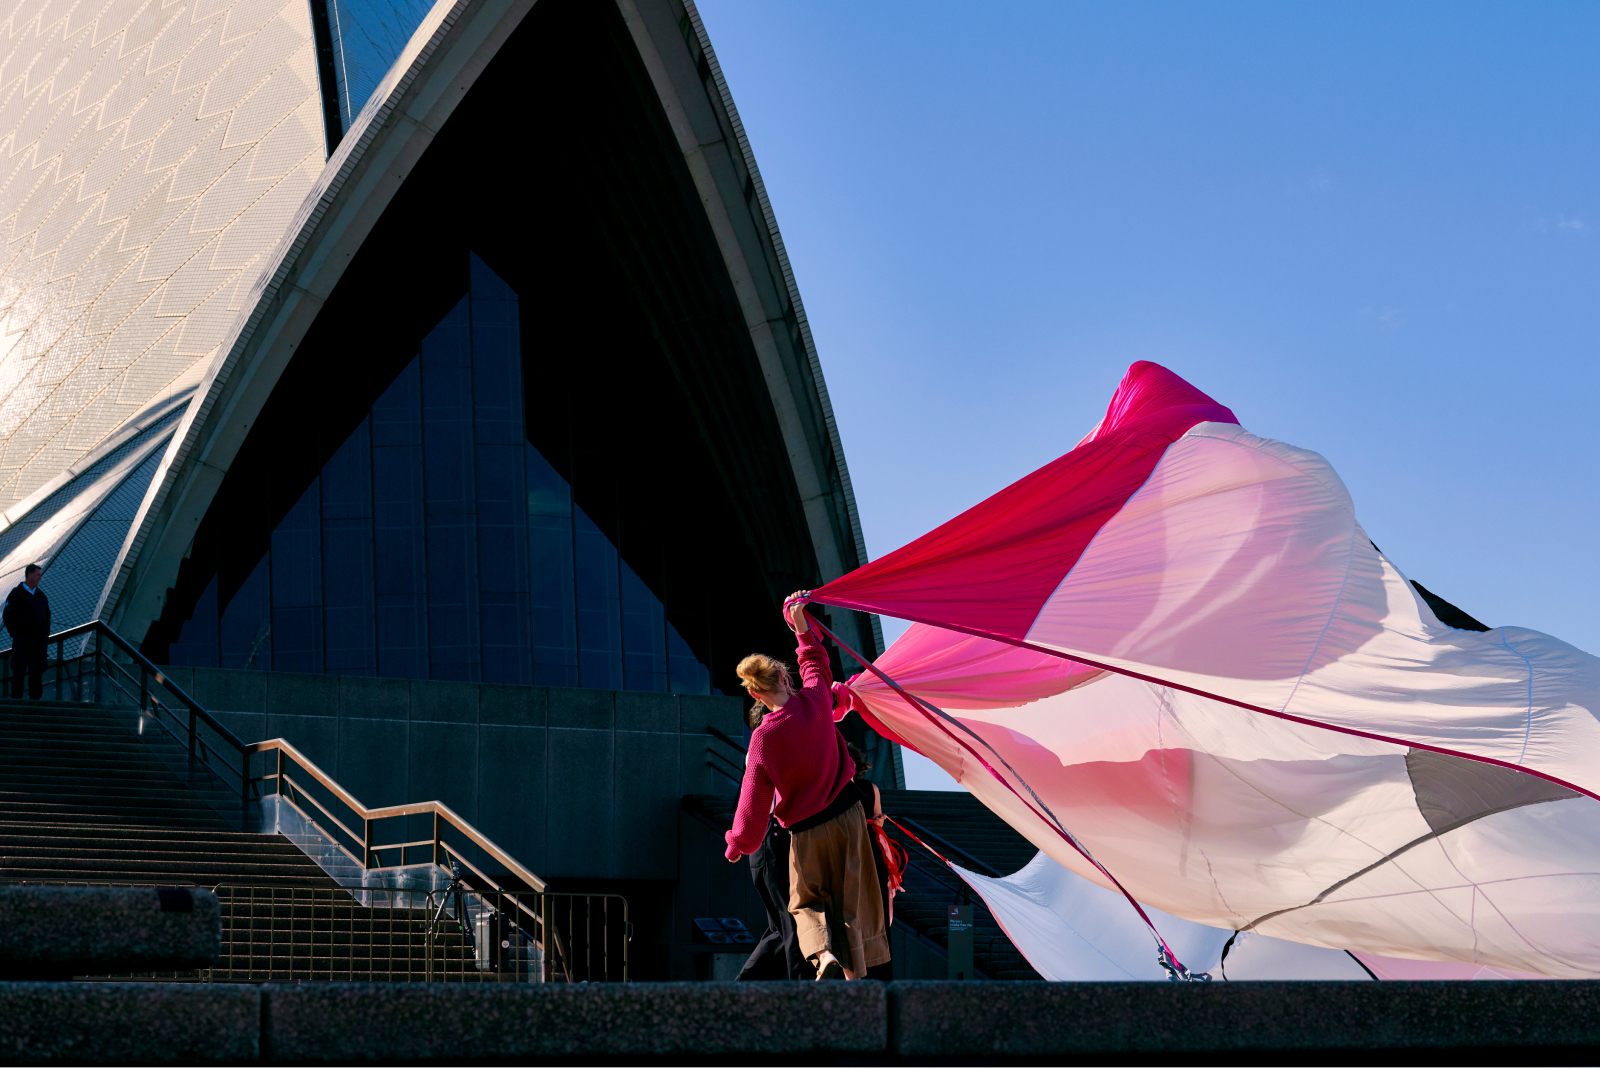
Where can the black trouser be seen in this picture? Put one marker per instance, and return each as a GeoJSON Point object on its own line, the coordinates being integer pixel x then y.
{"type": "Point", "coordinates": [777, 955]}
{"type": "Point", "coordinates": [27, 658]}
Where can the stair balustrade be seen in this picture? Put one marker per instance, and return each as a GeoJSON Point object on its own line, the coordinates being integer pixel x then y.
{"type": "Point", "coordinates": [394, 857]}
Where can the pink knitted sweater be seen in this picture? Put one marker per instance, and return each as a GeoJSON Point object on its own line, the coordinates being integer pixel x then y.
{"type": "Point", "coordinates": [797, 755]}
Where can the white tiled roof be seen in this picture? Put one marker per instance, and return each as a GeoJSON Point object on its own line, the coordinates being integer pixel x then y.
{"type": "Point", "coordinates": [151, 156]}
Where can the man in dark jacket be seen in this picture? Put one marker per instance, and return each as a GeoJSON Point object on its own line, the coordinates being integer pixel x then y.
{"type": "Point", "coordinates": [27, 617]}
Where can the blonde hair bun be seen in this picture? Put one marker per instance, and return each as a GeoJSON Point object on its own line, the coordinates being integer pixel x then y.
{"type": "Point", "coordinates": [766, 674]}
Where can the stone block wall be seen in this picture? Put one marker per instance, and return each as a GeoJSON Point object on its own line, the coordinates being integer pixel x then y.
{"type": "Point", "coordinates": [576, 784]}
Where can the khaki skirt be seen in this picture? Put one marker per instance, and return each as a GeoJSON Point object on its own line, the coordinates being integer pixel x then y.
{"type": "Point", "coordinates": [833, 892]}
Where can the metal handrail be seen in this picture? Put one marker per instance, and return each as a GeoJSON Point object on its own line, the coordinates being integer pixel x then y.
{"type": "Point", "coordinates": [438, 809]}
{"type": "Point", "coordinates": [724, 738]}
{"type": "Point", "coordinates": [137, 683]}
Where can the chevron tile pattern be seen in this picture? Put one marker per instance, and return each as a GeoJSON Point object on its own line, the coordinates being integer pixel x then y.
{"type": "Point", "coordinates": [151, 155]}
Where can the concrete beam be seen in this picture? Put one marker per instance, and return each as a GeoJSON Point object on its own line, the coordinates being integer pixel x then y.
{"type": "Point", "coordinates": [868, 1022]}
{"type": "Point", "coordinates": [129, 1023]}
{"type": "Point", "coordinates": [56, 932]}
{"type": "Point", "coordinates": [387, 1022]}
{"type": "Point", "coordinates": [992, 1022]}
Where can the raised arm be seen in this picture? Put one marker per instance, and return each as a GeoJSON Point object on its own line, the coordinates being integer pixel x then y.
{"type": "Point", "coordinates": [809, 650]}
{"type": "Point", "coordinates": [813, 658]}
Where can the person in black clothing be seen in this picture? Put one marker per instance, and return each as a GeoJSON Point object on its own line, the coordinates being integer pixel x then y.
{"type": "Point", "coordinates": [27, 618]}
{"type": "Point", "coordinates": [777, 955]}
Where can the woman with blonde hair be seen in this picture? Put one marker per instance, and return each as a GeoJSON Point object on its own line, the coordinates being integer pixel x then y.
{"type": "Point", "coordinates": [799, 771]}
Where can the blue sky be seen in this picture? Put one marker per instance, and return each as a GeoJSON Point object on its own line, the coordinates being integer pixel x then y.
{"type": "Point", "coordinates": [1372, 230]}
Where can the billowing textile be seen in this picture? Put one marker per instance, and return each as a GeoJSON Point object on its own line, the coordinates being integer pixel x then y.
{"type": "Point", "coordinates": [1264, 726]}
{"type": "Point", "coordinates": [1073, 931]}
{"type": "Point", "coordinates": [1176, 546]}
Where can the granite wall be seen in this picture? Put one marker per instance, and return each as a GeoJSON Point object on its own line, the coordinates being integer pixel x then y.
{"type": "Point", "coordinates": [576, 784]}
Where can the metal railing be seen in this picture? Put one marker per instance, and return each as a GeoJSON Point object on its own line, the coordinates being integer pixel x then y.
{"type": "Point", "coordinates": [721, 763]}
{"type": "Point", "coordinates": [287, 934]}
{"type": "Point", "coordinates": [379, 854]}
{"type": "Point", "coordinates": [323, 934]}
{"type": "Point", "coordinates": [95, 663]}
{"type": "Point", "coordinates": [295, 780]}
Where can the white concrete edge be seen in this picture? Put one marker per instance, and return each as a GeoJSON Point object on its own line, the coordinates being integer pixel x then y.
{"type": "Point", "coordinates": [44, 544]}
{"type": "Point", "coordinates": [447, 52]}
{"type": "Point", "coordinates": [123, 434]}
{"type": "Point", "coordinates": [773, 233]}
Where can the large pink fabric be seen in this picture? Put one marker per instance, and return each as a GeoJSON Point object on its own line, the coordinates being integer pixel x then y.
{"type": "Point", "coordinates": [1236, 570]}
{"type": "Point", "coordinates": [1227, 818]}
{"type": "Point", "coordinates": [991, 569]}
{"type": "Point", "coordinates": [1236, 704]}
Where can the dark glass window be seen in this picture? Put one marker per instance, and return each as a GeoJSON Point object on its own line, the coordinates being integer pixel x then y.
{"type": "Point", "coordinates": [437, 542]}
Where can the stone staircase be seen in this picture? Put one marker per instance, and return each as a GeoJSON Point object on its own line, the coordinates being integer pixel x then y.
{"type": "Point", "coordinates": [85, 799]}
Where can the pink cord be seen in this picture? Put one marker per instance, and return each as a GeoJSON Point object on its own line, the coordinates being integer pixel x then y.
{"type": "Point", "coordinates": [922, 707]}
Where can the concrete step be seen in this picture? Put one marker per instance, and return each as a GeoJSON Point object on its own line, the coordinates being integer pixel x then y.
{"type": "Point", "coordinates": [153, 834]}
{"type": "Point", "coordinates": [242, 844]}
{"type": "Point", "coordinates": [157, 876]}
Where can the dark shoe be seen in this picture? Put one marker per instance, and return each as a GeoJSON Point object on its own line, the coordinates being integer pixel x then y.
{"type": "Point", "coordinates": [832, 970]}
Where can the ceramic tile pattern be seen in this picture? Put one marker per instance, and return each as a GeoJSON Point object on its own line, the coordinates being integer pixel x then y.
{"type": "Point", "coordinates": [151, 155]}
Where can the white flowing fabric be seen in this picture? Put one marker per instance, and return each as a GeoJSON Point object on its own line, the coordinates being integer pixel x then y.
{"type": "Point", "coordinates": [1235, 820]}
{"type": "Point", "coordinates": [1271, 730]}
{"type": "Point", "coordinates": [1070, 929]}
{"type": "Point", "coordinates": [1073, 931]}
{"type": "Point", "coordinates": [1239, 569]}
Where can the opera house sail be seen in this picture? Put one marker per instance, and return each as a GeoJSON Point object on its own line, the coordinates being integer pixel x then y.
{"type": "Point", "coordinates": [378, 339]}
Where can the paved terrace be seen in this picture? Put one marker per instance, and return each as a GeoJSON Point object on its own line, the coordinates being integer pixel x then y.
{"type": "Point", "coordinates": [810, 1023]}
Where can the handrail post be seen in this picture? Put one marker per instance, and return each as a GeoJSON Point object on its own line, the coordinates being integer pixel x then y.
{"type": "Point", "coordinates": [277, 785]}
{"type": "Point", "coordinates": [144, 689]}
{"type": "Point", "coordinates": [366, 846]}
{"type": "Point", "coordinates": [99, 666]}
{"type": "Point", "coordinates": [244, 791]}
{"type": "Point", "coordinates": [60, 653]}
{"type": "Point", "coordinates": [194, 734]}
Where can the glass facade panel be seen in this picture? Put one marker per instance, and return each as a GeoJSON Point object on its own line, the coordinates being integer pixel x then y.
{"type": "Point", "coordinates": [437, 542]}
{"type": "Point", "coordinates": [368, 36]}
{"type": "Point", "coordinates": [399, 545]}
{"type": "Point", "coordinates": [552, 574]}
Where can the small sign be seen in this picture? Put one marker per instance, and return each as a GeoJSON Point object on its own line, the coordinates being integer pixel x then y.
{"type": "Point", "coordinates": [958, 942]}
{"type": "Point", "coordinates": [722, 931]}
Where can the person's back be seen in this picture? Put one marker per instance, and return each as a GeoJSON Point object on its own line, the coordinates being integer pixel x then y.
{"type": "Point", "coordinates": [798, 770]}
{"type": "Point", "coordinates": [798, 746]}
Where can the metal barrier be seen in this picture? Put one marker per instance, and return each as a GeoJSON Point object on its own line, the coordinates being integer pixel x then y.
{"type": "Point", "coordinates": [588, 937]}
{"type": "Point", "coordinates": [286, 934]}
{"type": "Point", "coordinates": [280, 934]}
